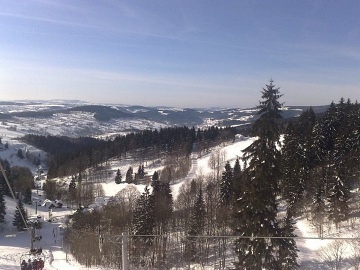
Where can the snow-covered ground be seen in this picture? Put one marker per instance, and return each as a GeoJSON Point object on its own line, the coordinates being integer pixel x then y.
{"type": "Point", "coordinates": [13, 243]}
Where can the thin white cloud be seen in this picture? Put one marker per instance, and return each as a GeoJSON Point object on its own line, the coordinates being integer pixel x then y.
{"type": "Point", "coordinates": [43, 19]}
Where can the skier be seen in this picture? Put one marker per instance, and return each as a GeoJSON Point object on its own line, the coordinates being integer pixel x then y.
{"type": "Point", "coordinates": [29, 265]}
{"type": "Point", "coordinates": [35, 264]}
{"type": "Point", "coordinates": [23, 265]}
{"type": "Point", "coordinates": [40, 264]}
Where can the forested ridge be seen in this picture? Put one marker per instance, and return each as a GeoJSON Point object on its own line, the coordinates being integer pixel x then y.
{"type": "Point", "coordinates": [69, 156]}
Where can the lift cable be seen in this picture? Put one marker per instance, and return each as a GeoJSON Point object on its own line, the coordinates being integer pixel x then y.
{"type": "Point", "coordinates": [113, 236]}
{"type": "Point", "coordinates": [13, 195]}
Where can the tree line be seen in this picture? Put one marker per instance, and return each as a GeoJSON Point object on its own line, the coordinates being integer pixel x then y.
{"type": "Point", "coordinates": [69, 156]}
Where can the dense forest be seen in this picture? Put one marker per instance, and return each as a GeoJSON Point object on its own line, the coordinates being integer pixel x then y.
{"type": "Point", "coordinates": [69, 156]}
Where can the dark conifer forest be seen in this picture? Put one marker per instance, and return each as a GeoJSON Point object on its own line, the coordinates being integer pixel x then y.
{"type": "Point", "coordinates": [69, 156]}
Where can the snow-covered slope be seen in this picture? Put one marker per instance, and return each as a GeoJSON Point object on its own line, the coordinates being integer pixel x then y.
{"type": "Point", "coordinates": [14, 244]}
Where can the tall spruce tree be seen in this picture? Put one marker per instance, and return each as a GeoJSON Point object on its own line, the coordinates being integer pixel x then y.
{"type": "Point", "coordinates": [163, 204]}
{"type": "Point", "coordinates": [129, 176]}
{"type": "Point", "coordinates": [226, 185]}
{"type": "Point", "coordinates": [237, 178]}
{"type": "Point", "coordinates": [344, 162]}
{"type": "Point", "coordinates": [298, 158]}
{"type": "Point", "coordinates": [287, 248]}
{"type": "Point", "coordinates": [141, 172]}
{"type": "Point", "coordinates": [348, 141]}
{"type": "Point", "coordinates": [257, 207]}
{"type": "Point", "coordinates": [237, 184]}
{"type": "Point", "coordinates": [143, 223]}
{"type": "Point", "coordinates": [155, 176]}
{"type": "Point", "coordinates": [163, 209]}
{"type": "Point", "coordinates": [334, 173]}
{"type": "Point", "coordinates": [198, 213]}
{"type": "Point", "coordinates": [118, 177]}
{"type": "Point", "coordinates": [18, 220]}
{"type": "Point", "coordinates": [194, 247]}
{"type": "Point", "coordinates": [338, 198]}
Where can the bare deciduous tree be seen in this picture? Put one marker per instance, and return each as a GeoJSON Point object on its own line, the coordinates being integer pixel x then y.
{"type": "Point", "coordinates": [216, 162]}
{"type": "Point", "coordinates": [332, 254]}
{"type": "Point", "coordinates": [355, 254]}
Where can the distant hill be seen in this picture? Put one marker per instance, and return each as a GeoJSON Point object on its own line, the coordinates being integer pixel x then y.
{"type": "Point", "coordinates": [101, 112]}
{"type": "Point", "coordinates": [64, 118]}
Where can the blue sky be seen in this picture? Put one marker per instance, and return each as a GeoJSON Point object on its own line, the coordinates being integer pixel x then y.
{"type": "Point", "coordinates": [178, 52]}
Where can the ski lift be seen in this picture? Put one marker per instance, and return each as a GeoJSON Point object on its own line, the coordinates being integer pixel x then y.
{"type": "Point", "coordinates": [34, 259]}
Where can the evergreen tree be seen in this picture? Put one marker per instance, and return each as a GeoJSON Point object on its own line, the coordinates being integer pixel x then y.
{"type": "Point", "coordinates": [18, 221]}
{"type": "Point", "coordinates": [118, 177]}
{"type": "Point", "coordinates": [334, 170]}
{"type": "Point", "coordinates": [257, 208]}
{"type": "Point", "coordinates": [326, 134]}
{"type": "Point", "coordinates": [163, 209]}
{"type": "Point", "coordinates": [237, 184]}
{"type": "Point", "coordinates": [141, 172]}
{"type": "Point", "coordinates": [291, 182]}
{"type": "Point", "coordinates": [20, 153]}
{"type": "Point", "coordinates": [287, 246]}
{"type": "Point", "coordinates": [27, 196]}
{"type": "Point", "coordinates": [226, 185]}
{"type": "Point", "coordinates": [72, 191]}
{"type": "Point", "coordinates": [50, 189]}
{"type": "Point", "coordinates": [155, 176]}
{"type": "Point", "coordinates": [237, 178]}
{"type": "Point", "coordinates": [194, 248]}
{"type": "Point", "coordinates": [345, 160]}
{"type": "Point", "coordinates": [197, 225]}
{"type": "Point", "coordinates": [143, 224]}
{"type": "Point", "coordinates": [318, 209]}
{"type": "Point", "coordinates": [163, 204]}
{"type": "Point", "coordinates": [349, 151]}
{"type": "Point", "coordinates": [129, 176]}
{"type": "Point", "coordinates": [298, 159]}
{"type": "Point", "coordinates": [338, 199]}
{"type": "Point", "coordinates": [2, 206]}
{"type": "Point", "coordinates": [144, 214]}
